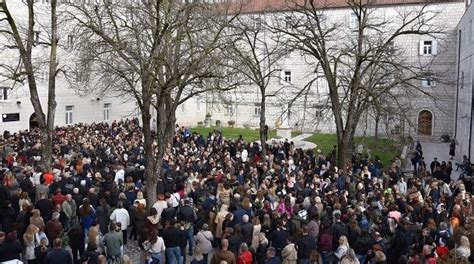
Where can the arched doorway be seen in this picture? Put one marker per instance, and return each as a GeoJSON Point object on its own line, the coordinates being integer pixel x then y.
{"type": "Point", "coordinates": [33, 122]}
{"type": "Point", "coordinates": [425, 123]}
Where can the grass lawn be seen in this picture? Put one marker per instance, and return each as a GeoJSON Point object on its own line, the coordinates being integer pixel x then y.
{"type": "Point", "coordinates": [233, 133]}
{"type": "Point", "coordinates": [384, 148]}
{"type": "Point", "coordinates": [295, 133]}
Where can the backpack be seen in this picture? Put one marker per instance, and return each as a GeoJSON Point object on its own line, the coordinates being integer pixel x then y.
{"type": "Point", "coordinates": [325, 242]}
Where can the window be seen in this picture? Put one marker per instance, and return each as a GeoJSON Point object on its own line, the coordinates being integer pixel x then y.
{"type": "Point", "coordinates": [107, 112]}
{"type": "Point", "coordinates": [354, 22]}
{"type": "Point", "coordinates": [4, 93]}
{"type": "Point", "coordinates": [183, 108]}
{"type": "Point", "coordinates": [229, 109]}
{"type": "Point", "coordinates": [70, 41]}
{"type": "Point", "coordinates": [319, 111]}
{"type": "Point", "coordinates": [257, 111]}
{"type": "Point", "coordinates": [69, 109]}
{"type": "Point", "coordinates": [428, 82]}
{"type": "Point", "coordinates": [258, 23]}
{"type": "Point", "coordinates": [287, 76]}
{"type": "Point", "coordinates": [36, 36]}
{"type": "Point", "coordinates": [428, 47]}
{"type": "Point", "coordinates": [390, 47]}
{"type": "Point", "coordinates": [471, 31]}
{"type": "Point", "coordinates": [322, 20]}
{"type": "Point", "coordinates": [198, 104]}
{"type": "Point", "coordinates": [287, 22]}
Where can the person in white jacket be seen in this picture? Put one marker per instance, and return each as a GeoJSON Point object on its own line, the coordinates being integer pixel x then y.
{"type": "Point", "coordinates": [154, 246]}
{"type": "Point", "coordinates": [120, 215]}
{"type": "Point", "coordinates": [204, 240]}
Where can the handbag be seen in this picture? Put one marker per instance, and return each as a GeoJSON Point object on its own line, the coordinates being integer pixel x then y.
{"type": "Point", "coordinates": [314, 256]}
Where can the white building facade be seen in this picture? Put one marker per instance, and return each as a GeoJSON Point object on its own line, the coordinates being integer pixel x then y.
{"type": "Point", "coordinates": [310, 112]}
{"type": "Point", "coordinates": [464, 106]}
{"type": "Point", "coordinates": [73, 106]}
{"type": "Point", "coordinates": [431, 111]}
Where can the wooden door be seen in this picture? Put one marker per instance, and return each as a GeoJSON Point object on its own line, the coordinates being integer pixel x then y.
{"type": "Point", "coordinates": [425, 123]}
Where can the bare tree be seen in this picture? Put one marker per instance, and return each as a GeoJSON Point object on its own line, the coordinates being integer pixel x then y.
{"type": "Point", "coordinates": [254, 54]}
{"type": "Point", "coordinates": [358, 62]}
{"type": "Point", "coordinates": [160, 53]}
{"type": "Point", "coordinates": [25, 41]}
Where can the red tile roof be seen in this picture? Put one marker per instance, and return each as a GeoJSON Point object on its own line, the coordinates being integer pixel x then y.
{"type": "Point", "coordinates": [251, 6]}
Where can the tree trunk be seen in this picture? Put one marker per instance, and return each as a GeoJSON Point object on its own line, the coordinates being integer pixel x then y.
{"type": "Point", "coordinates": [344, 151]}
{"type": "Point", "coordinates": [377, 121]}
{"type": "Point", "coordinates": [47, 143]}
{"type": "Point", "coordinates": [149, 154]}
{"type": "Point", "coordinates": [262, 127]}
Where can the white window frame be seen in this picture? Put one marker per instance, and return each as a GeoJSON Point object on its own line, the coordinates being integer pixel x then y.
{"type": "Point", "coordinates": [4, 93]}
{"type": "Point", "coordinates": [107, 107]}
{"type": "Point", "coordinates": [353, 21]}
{"type": "Point", "coordinates": [288, 22]}
{"type": "Point", "coordinates": [257, 110]}
{"type": "Point", "coordinates": [229, 109]}
{"type": "Point", "coordinates": [287, 78]}
{"type": "Point", "coordinates": [69, 114]}
{"type": "Point", "coordinates": [36, 36]}
{"type": "Point", "coordinates": [258, 23]}
{"type": "Point", "coordinates": [318, 114]}
{"type": "Point", "coordinates": [198, 104]}
{"type": "Point", "coordinates": [428, 47]}
{"type": "Point", "coordinates": [428, 82]}
{"type": "Point", "coordinates": [70, 41]}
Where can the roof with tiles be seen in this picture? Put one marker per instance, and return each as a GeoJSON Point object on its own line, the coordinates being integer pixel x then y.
{"type": "Point", "coordinates": [254, 6]}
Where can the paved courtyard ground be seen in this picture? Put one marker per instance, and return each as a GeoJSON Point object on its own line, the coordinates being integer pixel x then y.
{"type": "Point", "coordinates": [440, 151]}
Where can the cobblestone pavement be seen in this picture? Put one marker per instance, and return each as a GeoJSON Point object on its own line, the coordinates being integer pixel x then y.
{"type": "Point", "coordinates": [134, 253]}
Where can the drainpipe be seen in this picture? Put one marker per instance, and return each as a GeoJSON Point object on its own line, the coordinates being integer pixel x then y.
{"type": "Point", "coordinates": [470, 118]}
{"type": "Point", "coordinates": [457, 85]}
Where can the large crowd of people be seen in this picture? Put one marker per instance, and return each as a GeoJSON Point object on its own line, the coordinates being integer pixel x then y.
{"type": "Point", "coordinates": [220, 201]}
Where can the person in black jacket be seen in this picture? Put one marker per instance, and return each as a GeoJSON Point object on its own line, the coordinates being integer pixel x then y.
{"type": "Point", "coordinates": [91, 256]}
{"type": "Point", "coordinates": [58, 255]}
{"type": "Point", "coordinates": [11, 248]}
{"type": "Point", "coordinates": [41, 251]}
{"type": "Point", "coordinates": [338, 229]}
{"type": "Point", "coordinates": [76, 241]}
{"type": "Point", "coordinates": [172, 237]}
{"type": "Point", "coordinates": [398, 244]}
{"type": "Point", "coordinates": [362, 244]}
{"type": "Point", "coordinates": [279, 237]}
{"type": "Point", "coordinates": [187, 215]}
{"type": "Point", "coordinates": [305, 245]}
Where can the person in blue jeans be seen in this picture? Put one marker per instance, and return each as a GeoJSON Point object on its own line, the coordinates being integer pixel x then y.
{"type": "Point", "coordinates": [172, 236]}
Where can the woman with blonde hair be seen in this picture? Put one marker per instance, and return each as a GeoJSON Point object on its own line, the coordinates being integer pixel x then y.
{"type": "Point", "coordinates": [342, 249]}
{"type": "Point", "coordinates": [245, 256]}
{"type": "Point", "coordinates": [36, 219]}
{"type": "Point", "coordinates": [257, 228]}
{"type": "Point", "coordinates": [224, 193]}
{"type": "Point", "coordinates": [24, 199]}
{"type": "Point", "coordinates": [198, 257]}
{"type": "Point", "coordinates": [464, 250]}
{"type": "Point", "coordinates": [140, 199]}
{"type": "Point", "coordinates": [350, 258]}
{"type": "Point", "coordinates": [30, 240]}
{"type": "Point", "coordinates": [94, 236]}
{"type": "Point", "coordinates": [219, 220]}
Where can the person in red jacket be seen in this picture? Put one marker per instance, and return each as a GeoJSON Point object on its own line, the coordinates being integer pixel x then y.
{"type": "Point", "coordinates": [245, 256]}
{"type": "Point", "coordinates": [58, 198]}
